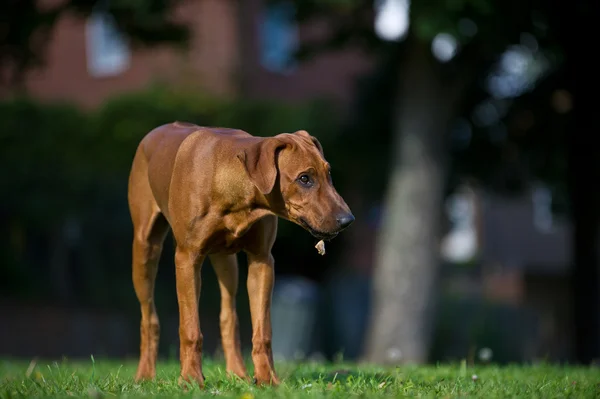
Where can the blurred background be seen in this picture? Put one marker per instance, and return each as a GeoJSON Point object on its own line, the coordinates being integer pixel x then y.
{"type": "Point", "coordinates": [449, 124]}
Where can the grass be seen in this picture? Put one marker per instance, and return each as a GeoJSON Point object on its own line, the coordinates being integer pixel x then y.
{"type": "Point", "coordinates": [102, 378]}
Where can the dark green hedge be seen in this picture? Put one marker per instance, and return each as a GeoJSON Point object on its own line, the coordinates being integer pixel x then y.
{"type": "Point", "coordinates": [60, 163]}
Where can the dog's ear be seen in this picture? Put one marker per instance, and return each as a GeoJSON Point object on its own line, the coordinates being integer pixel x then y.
{"type": "Point", "coordinates": [260, 162]}
{"type": "Point", "coordinates": [304, 133]}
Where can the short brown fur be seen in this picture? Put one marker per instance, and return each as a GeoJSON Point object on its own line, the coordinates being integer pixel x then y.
{"type": "Point", "coordinates": [220, 191]}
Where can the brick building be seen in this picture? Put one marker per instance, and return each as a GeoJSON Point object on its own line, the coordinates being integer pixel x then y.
{"type": "Point", "coordinates": [236, 48]}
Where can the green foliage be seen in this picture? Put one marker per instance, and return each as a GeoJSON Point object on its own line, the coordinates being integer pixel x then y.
{"type": "Point", "coordinates": [433, 17]}
{"type": "Point", "coordinates": [25, 32]}
{"type": "Point", "coordinates": [41, 144]}
{"type": "Point", "coordinates": [121, 122]}
{"type": "Point", "coordinates": [492, 25]}
{"type": "Point", "coordinates": [106, 378]}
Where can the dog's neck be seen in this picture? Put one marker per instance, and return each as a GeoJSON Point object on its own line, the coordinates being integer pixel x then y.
{"type": "Point", "coordinates": [275, 203]}
{"type": "Point", "coordinates": [272, 202]}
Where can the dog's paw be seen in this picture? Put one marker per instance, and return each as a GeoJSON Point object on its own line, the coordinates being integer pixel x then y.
{"type": "Point", "coordinates": [271, 380]}
{"type": "Point", "coordinates": [190, 378]}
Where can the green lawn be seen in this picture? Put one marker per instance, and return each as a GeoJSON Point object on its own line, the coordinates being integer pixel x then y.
{"type": "Point", "coordinates": [104, 379]}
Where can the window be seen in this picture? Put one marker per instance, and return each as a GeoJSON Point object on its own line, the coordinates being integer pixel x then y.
{"type": "Point", "coordinates": [278, 37]}
{"type": "Point", "coordinates": [107, 50]}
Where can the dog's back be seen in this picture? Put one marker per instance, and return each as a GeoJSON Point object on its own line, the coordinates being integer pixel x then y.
{"type": "Point", "coordinates": [158, 150]}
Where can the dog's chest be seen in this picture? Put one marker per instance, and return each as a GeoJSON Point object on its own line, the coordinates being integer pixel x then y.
{"type": "Point", "coordinates": [226, 233]}
{"type": "Point", "coordinates": [225, 241]}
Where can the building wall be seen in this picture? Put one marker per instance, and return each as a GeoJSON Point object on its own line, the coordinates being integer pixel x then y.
{"type": "Point", "coordinates": [223, 57]}
{"type": "Point", "coordinates": [331, 74]}
{"type": "Point", "coordinates": [209, 64]}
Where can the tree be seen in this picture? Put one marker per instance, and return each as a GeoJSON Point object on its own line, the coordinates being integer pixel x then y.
{"type": "Point", "coordinates": [426, 98]}
{"type": "Point", "coordinates": [27, 28]}
{"type": "Point", "coordinates": [430, 96]}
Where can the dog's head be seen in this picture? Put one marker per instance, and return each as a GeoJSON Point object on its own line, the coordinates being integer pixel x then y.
{"type": "Point", "coordinates": [293, 165]}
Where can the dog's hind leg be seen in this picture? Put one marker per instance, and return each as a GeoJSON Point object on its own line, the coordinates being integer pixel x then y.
{"type": "Point", "coordinates": [150, 228]}
{"type": "Point", "coordinates": [226, 268]}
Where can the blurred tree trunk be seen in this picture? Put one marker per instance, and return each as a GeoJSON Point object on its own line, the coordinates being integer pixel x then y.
{"type": "Point", "coordinates": [407, 257]}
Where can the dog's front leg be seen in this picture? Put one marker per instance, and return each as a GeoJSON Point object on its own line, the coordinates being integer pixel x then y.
{"type": "Point", "coordinates": [188, 265]}
{"type": "Point", "coordinates": [260, 288]}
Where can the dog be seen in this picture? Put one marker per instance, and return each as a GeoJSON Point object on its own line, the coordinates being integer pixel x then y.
{"type": "Point", "coordinates": [220, 191]}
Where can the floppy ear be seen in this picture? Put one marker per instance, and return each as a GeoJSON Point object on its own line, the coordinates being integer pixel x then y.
{"type": "Point", "coordinates": [260, 162]}
{"type": "Point", "coordinates": [304, 133]}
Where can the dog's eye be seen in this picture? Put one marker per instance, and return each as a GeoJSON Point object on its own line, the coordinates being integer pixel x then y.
{"type": "Point", "coordinates": [305, 179]}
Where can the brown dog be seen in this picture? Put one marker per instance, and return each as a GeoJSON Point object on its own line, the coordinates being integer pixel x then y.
{"type": "Point", "coordinates": [220, 191]}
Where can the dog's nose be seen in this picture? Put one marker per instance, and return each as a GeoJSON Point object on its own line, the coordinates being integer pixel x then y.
{"type": "Point", "coordinates": [345, 220]}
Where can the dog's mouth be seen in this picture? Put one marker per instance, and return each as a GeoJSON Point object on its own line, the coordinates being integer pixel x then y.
{"type": "Point", "coordinates": [321, 235]}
